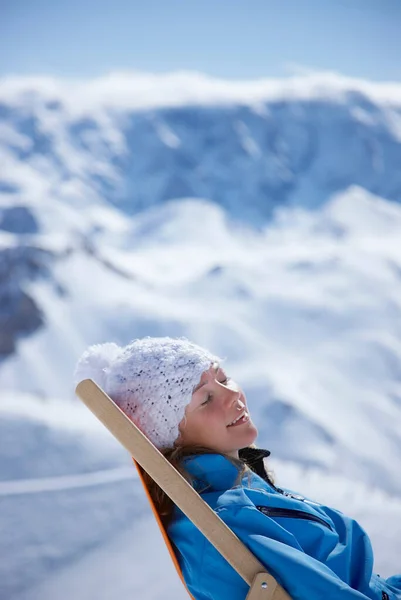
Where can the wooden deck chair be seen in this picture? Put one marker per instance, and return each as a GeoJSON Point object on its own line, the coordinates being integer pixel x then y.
{"type": "Point", "coordinates": [262, 585]}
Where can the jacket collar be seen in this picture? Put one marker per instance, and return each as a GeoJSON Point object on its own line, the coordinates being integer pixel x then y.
{"type": "Point", "coordinates": [214, 472]}
{"type": "Point", "coordinates": [253, 457]}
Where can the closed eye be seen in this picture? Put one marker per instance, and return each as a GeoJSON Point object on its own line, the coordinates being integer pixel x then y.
{"type": "Point", "coordinates": [210, 397]}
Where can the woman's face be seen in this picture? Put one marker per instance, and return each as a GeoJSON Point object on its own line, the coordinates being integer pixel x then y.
{"type": "Point", "coordinates": [216, 402]}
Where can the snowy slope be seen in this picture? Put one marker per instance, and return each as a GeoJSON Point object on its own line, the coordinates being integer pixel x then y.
{"type": "Point", "coordinates": [262, 220]}
{"type": "Point", "coordinates": [75, 523]}
{"type": "Point", "coordinates": [136, 141]}
{"type": "Point", "coordinates": [307, 312]}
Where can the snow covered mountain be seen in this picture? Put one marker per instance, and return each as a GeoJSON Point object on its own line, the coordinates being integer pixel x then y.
{"type": "Point", "coordinates": [137, 141]}
{"type": "Point", "coordinates": [260, 219]}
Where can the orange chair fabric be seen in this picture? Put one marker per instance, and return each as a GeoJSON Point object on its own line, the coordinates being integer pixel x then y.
{"type": "Point", "coordinates": [161, 527]}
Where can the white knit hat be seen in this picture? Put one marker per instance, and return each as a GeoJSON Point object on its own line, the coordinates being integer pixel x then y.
{"type": "Point", "coordinates": [151, 380]}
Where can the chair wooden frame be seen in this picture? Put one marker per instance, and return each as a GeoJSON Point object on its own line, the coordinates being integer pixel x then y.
{"type": "Point", "coordinates": [263, 586]}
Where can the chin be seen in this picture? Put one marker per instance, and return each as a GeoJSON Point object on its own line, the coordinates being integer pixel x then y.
{"type": "Point", "coordinates": [249, 436]}
{"type": "Point", "coordinates": [253, 437]}
{"type": "Point", "coordinates": [253, 432]}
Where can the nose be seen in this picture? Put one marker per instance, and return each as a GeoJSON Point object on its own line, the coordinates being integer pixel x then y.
{"type": "Point", "coordinates": [231, 396]}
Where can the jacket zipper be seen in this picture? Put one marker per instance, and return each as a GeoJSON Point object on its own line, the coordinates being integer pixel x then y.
{"type": "Point", "coordinates": [292, 514]}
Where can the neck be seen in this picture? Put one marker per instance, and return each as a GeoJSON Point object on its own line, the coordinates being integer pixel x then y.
{"type": "Point", "coordinates": [233, 454]}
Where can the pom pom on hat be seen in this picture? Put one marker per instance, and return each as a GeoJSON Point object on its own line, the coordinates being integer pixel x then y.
{"type": "Point", "coordinates": [95, 363]}
{"type": "Point", "coordinates": [150, 379]}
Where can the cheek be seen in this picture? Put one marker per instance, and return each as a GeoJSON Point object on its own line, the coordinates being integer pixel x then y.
{"type": "Point", "coordinates": [206, 427]}
{"type": "Point", "coordinates": [214, 421]}
{"type": "Point", "coordinates": [203, 427]}
{"type": "Point", "coordinates": [191, 429]}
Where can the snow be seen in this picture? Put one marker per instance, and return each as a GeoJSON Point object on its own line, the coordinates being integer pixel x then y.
{"type": "Point", "coordinates": [68, 482]}
{"type": "Point", "coordinates": [137, 140]}
{"type": "Point", "coordinates": [295, 298]}
{"type": "Point", "coordinates": [303, 300]}
{"type": "Point", "coordinates": [90, 533]}
{"type": "Point", "coordinates": [136, 90]}
{"type": "Point", "coordinates": [87, 531]}
{"type": "Point", "coordinates": [133, 564]}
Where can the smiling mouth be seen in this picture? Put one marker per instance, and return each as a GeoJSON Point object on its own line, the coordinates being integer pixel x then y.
{"type": "Point", "coordinates": [243, 418]}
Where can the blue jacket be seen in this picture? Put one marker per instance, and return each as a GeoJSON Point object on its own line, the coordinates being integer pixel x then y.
{"type": "Point", "coordinates": [313, 551]}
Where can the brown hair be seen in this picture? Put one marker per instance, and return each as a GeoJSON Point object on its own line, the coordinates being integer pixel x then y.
{"type": "Point", "coordinates": [163, 504]}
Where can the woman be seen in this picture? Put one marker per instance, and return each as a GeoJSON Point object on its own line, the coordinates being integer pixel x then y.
{"type": "Point", "coordinates": [181, 397]}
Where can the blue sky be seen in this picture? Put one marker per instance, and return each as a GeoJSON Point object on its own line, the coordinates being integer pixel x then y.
{"type": "Point", "coordinates": [236, 39]}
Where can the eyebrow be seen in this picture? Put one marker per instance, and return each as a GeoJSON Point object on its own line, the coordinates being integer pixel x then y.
{"type": "Point", "coordinates": [197, 387]}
